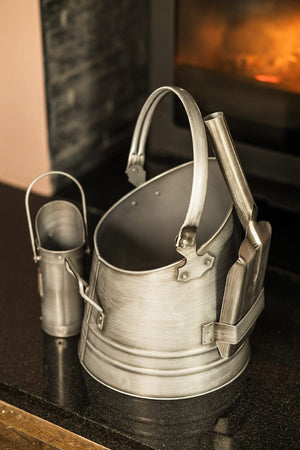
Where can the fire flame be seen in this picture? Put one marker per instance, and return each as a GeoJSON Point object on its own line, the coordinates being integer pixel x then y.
{"type": "Point", "coordinates": [262, 47]}
{"type": "Point", "coordinates": [267, 79]}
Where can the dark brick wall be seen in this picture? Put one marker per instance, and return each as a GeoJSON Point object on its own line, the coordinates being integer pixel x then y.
{"type": "Point", "coordinates": [96, 64]}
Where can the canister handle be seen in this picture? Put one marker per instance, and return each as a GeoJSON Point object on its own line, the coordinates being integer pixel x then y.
{"type": "Point", "coordinates": [186, 240]}
{"type": "Point", "coordinates": [31, 232]}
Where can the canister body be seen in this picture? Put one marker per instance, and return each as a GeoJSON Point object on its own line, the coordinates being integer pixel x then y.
{"type": "Point", "coordinates": [60, 234]}
{"type": "Point", "coordinates": [61, 304]}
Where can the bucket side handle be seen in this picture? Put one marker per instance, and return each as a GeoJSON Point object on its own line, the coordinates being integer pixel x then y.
{"type": "Point", "coordinates": [186, 239]}
{"type": "Point", "coordinates": [243, 298]}
{"type": "Point", "coordinates": [28, 214]}
{"type": "Point", "coordinates": [83, 288]}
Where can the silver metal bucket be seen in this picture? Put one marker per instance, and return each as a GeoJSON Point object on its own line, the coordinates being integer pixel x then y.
{"type": "Point", "coordinates": [159, 279]}
{"type": "Point", "coordinates": [61, 231]}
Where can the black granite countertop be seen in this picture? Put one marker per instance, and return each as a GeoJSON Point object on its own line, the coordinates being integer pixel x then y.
{"type": "Point", "coordinates": [42, 374]}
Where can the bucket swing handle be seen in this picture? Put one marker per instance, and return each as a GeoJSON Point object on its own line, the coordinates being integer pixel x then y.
{"type": "Point", "coordinates": [243, 298]}
{"type": "Point", "coordinates": [28, 214]}
{"type": "Point", "coordinates": [195, 264]}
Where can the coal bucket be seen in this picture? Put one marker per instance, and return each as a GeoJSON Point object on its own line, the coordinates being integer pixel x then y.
{"type": "Point", "coordinates": [61, 231]}
{"type": "Point", "coordinates": [169, 262]}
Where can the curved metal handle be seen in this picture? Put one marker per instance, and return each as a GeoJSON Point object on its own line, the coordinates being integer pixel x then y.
{"type": "Point", "coordinates": [231, 168]}
{"type": "Point", "coordinates": [185, 242]}
{"type": "Point", "coordinates": [54, 172]}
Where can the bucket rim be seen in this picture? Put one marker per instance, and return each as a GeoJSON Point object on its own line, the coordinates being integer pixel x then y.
{"type": "Point", "coordinates": [168, 266]}
{"type": "Point", "coordinates": [60, 252]}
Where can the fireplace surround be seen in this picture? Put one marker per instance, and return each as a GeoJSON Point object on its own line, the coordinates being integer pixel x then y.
{"type": "Point", "coordinates": [263, 110]}
{"type": "Point", "coordinates": [96, 82]}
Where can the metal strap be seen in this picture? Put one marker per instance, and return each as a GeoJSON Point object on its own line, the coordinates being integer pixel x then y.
{"type": "Point", "coordinates": [233, 334]}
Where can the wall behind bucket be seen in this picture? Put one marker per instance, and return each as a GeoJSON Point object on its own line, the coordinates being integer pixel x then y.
{"type": "Point", "coordinates": [23, 124]}
{"type": "Point", "coordinates": [96, 76]}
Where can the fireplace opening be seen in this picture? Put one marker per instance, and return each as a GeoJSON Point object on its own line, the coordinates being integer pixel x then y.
{"type": "Point", "coordinates": [243, 58]}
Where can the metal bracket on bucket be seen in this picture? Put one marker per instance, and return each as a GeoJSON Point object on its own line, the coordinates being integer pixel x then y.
{"type": "Point", "coordinates": [195, 265]}
{"type": "Point", "coordinates": [135, 170]}
{"type": "Point", "coordinates": [83, 290]}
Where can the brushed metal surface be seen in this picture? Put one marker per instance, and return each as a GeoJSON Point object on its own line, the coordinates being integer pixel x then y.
{"type": "Point", "coordinates": [147, 275]}
{"type": "Point", "coordinates": [150, 345]}
{"type": "Point", "coordinates": [60, 232]}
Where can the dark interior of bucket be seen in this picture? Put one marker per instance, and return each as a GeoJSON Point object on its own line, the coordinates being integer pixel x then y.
{"type": "Point", "coordinates": [139, 233]}
{"type": "Point", "coordinates": [59, 226]}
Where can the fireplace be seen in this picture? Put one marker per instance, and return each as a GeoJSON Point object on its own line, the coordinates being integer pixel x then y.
{"type": "Point", "coordinates": [242, 58]}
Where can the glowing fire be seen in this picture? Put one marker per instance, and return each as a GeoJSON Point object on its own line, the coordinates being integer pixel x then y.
{"type": "Point", "coordinates": [263, 47]}
{"type": "Point", "coordinates": [267, 79]}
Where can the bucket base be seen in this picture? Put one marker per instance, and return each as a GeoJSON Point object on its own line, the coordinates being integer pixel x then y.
{"type": "Point", "coordinates": [162, 384]}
